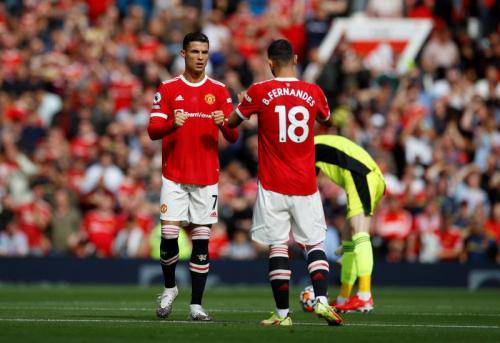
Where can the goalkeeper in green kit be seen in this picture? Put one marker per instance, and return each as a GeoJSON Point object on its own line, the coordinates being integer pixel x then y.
{"type": "Point", "coordinates": [352, 168]}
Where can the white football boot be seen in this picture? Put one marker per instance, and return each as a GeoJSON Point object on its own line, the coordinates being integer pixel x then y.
{"type": "Point", "coordinates": [197, 313]}
{"type": "Point", "coordinates": [165, 301]}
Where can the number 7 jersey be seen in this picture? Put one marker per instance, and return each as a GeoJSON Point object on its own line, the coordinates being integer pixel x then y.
{"type": "Point", "coordinates": [286, 110]}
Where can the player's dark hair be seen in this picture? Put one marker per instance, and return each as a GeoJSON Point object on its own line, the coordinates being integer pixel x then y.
{"type": "Point", "coordinates": [280, 52]}
{"type": "Point", "coordinates": [194, 37]}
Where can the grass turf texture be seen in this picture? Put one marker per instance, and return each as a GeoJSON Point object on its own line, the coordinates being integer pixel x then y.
{"type": "Point", "coordinates": [127, 314]}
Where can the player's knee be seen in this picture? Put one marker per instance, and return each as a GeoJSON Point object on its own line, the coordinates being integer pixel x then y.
{"type": "Point", "coordinates": [360, 224]}
{"type": "Point", "coordinates": [315, 247]}
{"type": "Point", "coordinates": [316, 259]}
{"type": "Point", "coordinates": [200, 233]}
{"type": "Point", "coordinates": [199, 256]}
{"type": "Point", "coordinates": [169, 231]}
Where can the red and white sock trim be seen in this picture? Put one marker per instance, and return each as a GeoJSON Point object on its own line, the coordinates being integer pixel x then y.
{"type": "Point", "coordinates": [280, 274]}
{"type": "Point", "coordinates": [170, 231]}
{"type": "Point", "coordinates": [317, 265]}
{"type": "Point", "coordinates": [170, 261]}
{"type": "Point", "coordinates": [200, 232]}
{"type": "Point", "coordinates": [278, 251]}
{"type": "Point", "coordinates": [199, 268]}
{"type": "Point", "coordinates": [319, 246]}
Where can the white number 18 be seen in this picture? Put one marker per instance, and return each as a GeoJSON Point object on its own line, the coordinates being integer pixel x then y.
{"type": "Point", "coordinates": [294, 123]}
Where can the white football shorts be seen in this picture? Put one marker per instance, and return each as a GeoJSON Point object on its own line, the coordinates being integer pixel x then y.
{"type": "Point", "coordinates": [192, 204]}
{"type": "Point", "coordinates": [274, 214]}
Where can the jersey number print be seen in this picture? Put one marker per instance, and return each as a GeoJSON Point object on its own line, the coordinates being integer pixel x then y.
{"type": "Point", "coordinates": [291, 132]}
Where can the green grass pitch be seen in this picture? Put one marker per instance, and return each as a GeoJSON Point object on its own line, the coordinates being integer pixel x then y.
{"type": "Point", "coordinates": [127, 314]}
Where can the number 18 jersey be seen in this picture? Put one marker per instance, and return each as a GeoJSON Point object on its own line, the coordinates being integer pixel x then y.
{"type": "Point", "coordinates": [286, 110]}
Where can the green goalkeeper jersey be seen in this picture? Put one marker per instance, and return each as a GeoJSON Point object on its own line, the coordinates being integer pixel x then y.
{"type": "Point", "coordinates": [336, 155]}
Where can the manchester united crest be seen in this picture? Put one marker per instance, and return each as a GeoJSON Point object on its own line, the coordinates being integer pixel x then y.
{"type": "Point", "coordinates": [210, 99]}
{"type": "Point", "coordinates": [163, 208]}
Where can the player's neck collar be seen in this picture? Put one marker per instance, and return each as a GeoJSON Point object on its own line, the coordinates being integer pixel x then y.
{"type": "Point", "coordinates": [286, 79]}
{"type": "Point", "coordinates": [194, 84]}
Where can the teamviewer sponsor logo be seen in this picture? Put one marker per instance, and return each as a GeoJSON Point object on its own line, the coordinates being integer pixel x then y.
{"type": "Point", "coordinates": [198, 115]}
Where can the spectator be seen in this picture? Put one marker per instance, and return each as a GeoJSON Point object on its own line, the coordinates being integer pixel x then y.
{"type": "Point", "coordinates": [34, 218]}
{"type": "Point", "coordinates": [477, 245]}
{"type": "Point", "coordinates": [425, 237]}
{"type": "Point", "coordinates": [240, 247]}
{"type": "Point", "coordinates": [470, 190]}
{"type": "Point", "coordinates": [13, 241]}
{"type": "Point", "coordinates": [462, 217]}
{"type": "Point", "coordinates": [104, 173]}
{"type": "Point", "coordinates": [130, 241]}
{"type": "Point", "coordinates": [450, 240]}
{"type": "Point", "coordinates": [101, 225]}
{"type": "Point", "coordinates": [394, 225]}
{"type": "Point", "coordinates": [65, 222]}
{"type": "Point", "coordinates": [440, 51]}
{"type": "Point", "coordinates": [489, 87]}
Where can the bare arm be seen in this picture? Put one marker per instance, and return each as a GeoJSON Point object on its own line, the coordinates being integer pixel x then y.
{"type": "Point", "coordinates": [234, 120]}
{"type": "Point", "coordinates": [229, 133]}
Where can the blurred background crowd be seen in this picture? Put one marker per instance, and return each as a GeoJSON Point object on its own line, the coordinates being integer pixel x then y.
{"type": "Point", "coordinates": [79, 175]}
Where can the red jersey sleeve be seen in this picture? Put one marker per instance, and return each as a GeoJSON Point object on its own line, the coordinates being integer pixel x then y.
{"type": "Point", "coordinates": [160, 122]}
{"type": "Point", "coordinates": [250, 104]}
{"type": "Point", "coordinates": [323, 108]}
{"type": "Point", "coordinates": [226, 105]}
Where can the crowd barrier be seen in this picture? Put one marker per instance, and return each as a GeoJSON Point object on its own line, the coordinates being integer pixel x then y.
{"type": "Point", "coordinates": [148, 272]}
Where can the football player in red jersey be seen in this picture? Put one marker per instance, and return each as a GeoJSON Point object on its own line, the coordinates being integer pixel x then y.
{"type": "Point", "coordinates": [187, 114]}
{"type": "Point", "coordinates": [288, 194]}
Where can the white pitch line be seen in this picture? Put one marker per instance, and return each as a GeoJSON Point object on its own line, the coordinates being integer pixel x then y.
{"type": "Point", "coordinates": [147, 309]}
{"type": "Point", "coordinates": [125, 309]}
{"type": "Point", "coordinates": [39, 320]}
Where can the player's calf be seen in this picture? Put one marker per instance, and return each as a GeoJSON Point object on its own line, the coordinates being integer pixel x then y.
{"type": "Point", "coordinates": [199, 264]}
{"type": "Point", "coordinates": [279, 276]}
{"type": "Point", "coordinates": [169, 255]}
{"type": "Point", "coordinates": [318, 267]}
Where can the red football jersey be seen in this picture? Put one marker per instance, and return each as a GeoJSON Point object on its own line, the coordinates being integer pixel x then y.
{"type": "Point", "coordinates": [101, 230]}
{"type": "Point", "coordinates": [28, 222]}
{"type": "Point", "coordinates": [286, 108]}
{"type": "Point", "coordinates": [191, 152]}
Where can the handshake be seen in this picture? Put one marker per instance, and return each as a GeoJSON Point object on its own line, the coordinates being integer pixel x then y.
{"type": "Point", "coordinates": [180, 117]}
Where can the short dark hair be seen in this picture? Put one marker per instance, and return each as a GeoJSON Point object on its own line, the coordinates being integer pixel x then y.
{"type": "Point", "coordinates": [280, 51]}
{"type": "Point", "coordinates": [194, 37]}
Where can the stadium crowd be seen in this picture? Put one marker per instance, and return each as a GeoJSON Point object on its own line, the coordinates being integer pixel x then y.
{"type": "Point", "coordinates": [80, 176]}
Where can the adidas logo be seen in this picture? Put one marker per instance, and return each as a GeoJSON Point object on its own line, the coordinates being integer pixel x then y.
{"type": "Point", "coordinates": [179, 98]}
